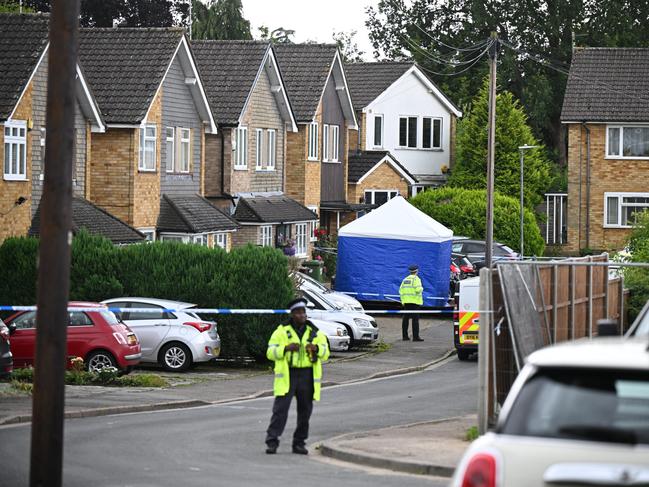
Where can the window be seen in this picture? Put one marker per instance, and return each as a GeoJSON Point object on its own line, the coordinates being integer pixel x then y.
{"type": "Point", "coordinates": [147, 148]}
{"type": "Point", "coordinates": [432, 135]}
{"type": "Point", "coordinates": [259, 149]}
{"type": "Point", "coordinates": [241, 148]}
{"type": "Point", "coordinates": [25, 321]}
{"type": "Point", "coordinates": [221, 240]}
{"type": "Point", "coordinates": [148, 233]}
{"type": "Point", "coordinates": [627, 141]}
{"type": "Point", "coordinates": [78, 318]}
{"type": "Point", "coordinates": [314, 141]}
{"type": "Point", "coordinates": [620, 208]}
{"type": "Point", "coordinates": [156, 312]}
{"type": "Point", "coordinates": [301, 239]}
{"type": "Point", "coordinates": [378, 130]}
{"type": "Point", "coordinates": [272, 149]}
{"type": "Point", "coordinates": [315, 225]}
{"type": "Point", "coordinates": [15, 162]}
{"type": "Point", "coordinates": [325, 143]}
{"type": "Point", "coordinates": [170, 148]}
{"type": "Point", "coordinates": [379, 196]}
{"type": "Point", "coordinates": [408, 132]}
{"type": "Point", "coordinates": [335, 143]}
{"type": "Point", "coordinates": [200, 240]}
{"type": "Point", "coordinates": [174, 238]}
{"type": "Point", "coordinates": [266, 236]}
{"type": "Point", "coordinates": [185, 150]}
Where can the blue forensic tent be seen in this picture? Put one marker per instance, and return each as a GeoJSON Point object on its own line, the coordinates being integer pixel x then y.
{"type": "Point", "coordinates": [375, 251]}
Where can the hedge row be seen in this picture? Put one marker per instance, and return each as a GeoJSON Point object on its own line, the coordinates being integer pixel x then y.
{"type": "Point", "coordinates": [247, 277]}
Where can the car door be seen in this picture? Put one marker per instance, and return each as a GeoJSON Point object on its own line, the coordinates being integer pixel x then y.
{"type": "Point", "coordinates": [151, 325]}
{"type": "Point", "coordinates": [23, 340]}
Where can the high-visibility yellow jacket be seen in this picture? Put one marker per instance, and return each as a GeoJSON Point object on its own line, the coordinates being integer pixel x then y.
{"type": "Point", "coordinates": [411, 290]}
{"type": "Point", "coordinates": [281, 337]}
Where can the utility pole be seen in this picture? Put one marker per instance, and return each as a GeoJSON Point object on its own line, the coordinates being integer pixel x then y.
{"type": "Point", "coordinates": [46, 469]}
{"type": "Point", "coordinates": [491, 150]}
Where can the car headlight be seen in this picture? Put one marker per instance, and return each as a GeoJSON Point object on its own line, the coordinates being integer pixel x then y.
{"type": "Point", "coordinates": [362, 322]}
{"type": "Point", "coordinates": [340, 332]}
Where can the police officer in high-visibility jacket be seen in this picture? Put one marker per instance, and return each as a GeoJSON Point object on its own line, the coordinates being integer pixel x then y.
{"type": "Point", "coordinates": [298, 350]}
{"type": "Point", "coordinates": [412, 297]}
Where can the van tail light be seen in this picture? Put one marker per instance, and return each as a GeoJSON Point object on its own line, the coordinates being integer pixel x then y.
{"type": "Point", "coordinates": [480, 471]}
{"type": "Point", "coordinates": [456, 316]}
{"type": "Point", "coordinates": [201, 326]}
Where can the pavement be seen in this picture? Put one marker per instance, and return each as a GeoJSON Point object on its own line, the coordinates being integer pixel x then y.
{"type": "Point", "coordinates": [214, 384]}
{"type": "Point", "coordinates": [223, 443]}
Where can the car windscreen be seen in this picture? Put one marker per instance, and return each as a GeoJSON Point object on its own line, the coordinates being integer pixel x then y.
{"type": "Point", "coordinates": [313, 282]}
{"type": "Point", "coordinates": [601, 405]}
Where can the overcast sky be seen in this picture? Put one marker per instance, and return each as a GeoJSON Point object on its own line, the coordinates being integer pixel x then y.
{"type": "Point", "coordinates": [311, 20]}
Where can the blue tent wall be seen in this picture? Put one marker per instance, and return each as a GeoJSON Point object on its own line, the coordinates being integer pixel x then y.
{"type": "Point", "coordinates": [373, 268]}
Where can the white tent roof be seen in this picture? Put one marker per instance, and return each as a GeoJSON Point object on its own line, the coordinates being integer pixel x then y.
{"type": "Point", "coordinates": [397, 219]}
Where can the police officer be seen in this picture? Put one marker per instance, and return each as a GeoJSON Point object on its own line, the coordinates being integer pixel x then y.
{"type": "Point", "coordinates": [298, 350]}
{"type": "Point", "coordinates": [412, 297]}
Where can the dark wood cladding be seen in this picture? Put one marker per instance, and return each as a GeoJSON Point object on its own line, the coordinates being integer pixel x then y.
{"type": "Point", "coordinates": [332, 182]}
{"type": "Point", "coordinates": [332, 186]}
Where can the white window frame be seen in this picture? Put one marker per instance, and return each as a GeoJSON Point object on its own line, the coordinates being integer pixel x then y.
{"type": "Point", "coordinates": [314, 224]}
{"type": "Point", "coordinates": [380, 144]}
{"type": "Point", "coordinates": [301, 239]}
{"type": "Point", "coordinates": [241, 149]}
{"type": "Point", "coordinates": [407, 118]}
{"type": "Point", "coordinates": [272, 149]}
{"type": "Point", "coordinates": [171, 154]}
{"type": "Point", "coordinates": [313, 138]}
{"type": "Point", "coordinates": [221, 240]}
{"type": "Point", "coordinates": [259, 149]}
{"type": "Point", "coordinates": [432, 132]}
{"type": "Point", "coordinates": [144, 138]}
{"type": "Point", "coordinates": [266, 235]}
{"type": "Point", "coordinates": [620, 205]}
{"type": "Point", "coordinates": [374, 191]}
{"type": "Point", "coordinates": [175, 237]}
{"type": "Point", "coordinates": [148, 232]}
{"type": "Point", "coordinates": [185, 139]}
{"type": "Point", "coordinates": [325, 143]}
{"type": "Point", "coordinates": [17, 168]}
{"type": "Point", "coordinates": [620, 152]}
{"type": "Point", "coordinates": [335, 143]}
{"type": "Point", "coordinates": [200, 239]}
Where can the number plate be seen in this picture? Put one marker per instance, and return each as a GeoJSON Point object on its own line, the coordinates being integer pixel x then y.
{"type": "Point", "coordinates": [473, 338]}
{"type": "Point", "coordinates": [216, 351]}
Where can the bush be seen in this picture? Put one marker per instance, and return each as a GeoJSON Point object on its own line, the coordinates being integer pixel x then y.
{"type": "Point", "coordinates": [465, 212]}
{"type": "Point", "coordinates": [637, 279]}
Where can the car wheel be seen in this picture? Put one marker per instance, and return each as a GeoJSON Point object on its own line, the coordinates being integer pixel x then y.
{"type": "Point", "coordinates": [100, 359]}
{"type": "Point", "coordinates": [352, 342]}
{"type": "Point", "coordinates": [463, 355]}
{"type": "Point", "coordinates": [175, 357]}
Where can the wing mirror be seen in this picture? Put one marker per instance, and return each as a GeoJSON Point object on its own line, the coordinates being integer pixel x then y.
{"type": "Point", "coordinates": [12, 328]}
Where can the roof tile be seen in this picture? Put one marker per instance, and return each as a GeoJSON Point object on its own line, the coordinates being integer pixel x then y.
{"type": "Point", "coordinates": [272, 209]}
{"type": "Point", "coordinates": [192, 214]}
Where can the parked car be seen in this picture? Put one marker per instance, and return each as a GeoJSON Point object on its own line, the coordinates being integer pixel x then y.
{"type": "Point", "coordinates": [464, 266]}
{"type": "Point", "coordinates": [336, 334]}
{"type": "Point", "coordinates": [640, 327]}
{"type": "Point", "coordinates": [96, 336]}
{"type": "Point", "coordinates": [578, 414]}
{"type": "Point", "coordinates": [342, 300]}
{"type": "Point", "coordinates": [361, 328]}
{"type": "Point", "coordinates": [175, 340]}
{"type": "Point", "coordinates": [475, 251]}
{"type": "Point", "coordinates": [6, 360]}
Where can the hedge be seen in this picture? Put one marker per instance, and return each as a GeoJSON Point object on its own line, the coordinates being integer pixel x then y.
{"type": "Point", "coordinates": [247, 277]}
{"type": "Point", "coordinates": [465, 212]}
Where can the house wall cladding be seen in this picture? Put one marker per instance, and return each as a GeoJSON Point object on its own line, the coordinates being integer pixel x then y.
{"type": "Point", "coordinates": [262, 112]}
{"type": "Point", "coordinates": [39, 109]}
{"type": "Point", "coordinates": [384, 177]}
{"type": "Point", "coordinates": [179, 110]}
{"type": "Point", "coordinates": [333, 174]}
{"type": "Point", "coordinates": [617, 175]}
{"type": "Point", "coordinates": [15, 221]}
{"type": "Point", "coordinates": [213, 162]}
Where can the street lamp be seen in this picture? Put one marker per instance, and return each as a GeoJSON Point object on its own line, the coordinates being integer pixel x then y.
{"type": "Point", "coordinates": [522, 150]}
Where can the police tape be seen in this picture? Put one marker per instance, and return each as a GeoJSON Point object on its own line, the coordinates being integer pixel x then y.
{"type": "Point", "coordinates": [389, 297]}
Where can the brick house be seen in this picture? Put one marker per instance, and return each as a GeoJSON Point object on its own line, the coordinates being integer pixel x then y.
{"type": "Point", "coordinates": [401, 110]}
{"type": "Point", "coordinates": [148, 167]}
{"type": "Point", "coordinates": [317, 154]}
{"type": "Point", "coordinates": [246, 167]}
{"type": "Point", "coordinates": [23, 99]}
{"type": "Point", "coordinates": [607, 116]}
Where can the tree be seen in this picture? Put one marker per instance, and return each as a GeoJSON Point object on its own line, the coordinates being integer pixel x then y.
{"type": "Point", "coordinates": [464, 212]}
{"type": "Point", "coordinates": [277, 36]}
{"type": "Point", "coordinates": [12, 7]}
{"type": "Point", "coordinates": [220, 20]}
{"type": "Point", "coordinates": [348, 46]}
{"type": "Point", "coordinates": [512, 132]}
{"type": "Point", "coordinates": [424, 30]}
{"type": "Point", "coordinates": [637, 279]}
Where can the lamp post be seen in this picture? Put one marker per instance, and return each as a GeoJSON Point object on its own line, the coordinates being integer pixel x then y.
{"type": "Point", "coordinates": [522, 150]}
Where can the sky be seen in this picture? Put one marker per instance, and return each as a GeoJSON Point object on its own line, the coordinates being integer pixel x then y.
{"type": "Point", "coordinates": [310, 19]}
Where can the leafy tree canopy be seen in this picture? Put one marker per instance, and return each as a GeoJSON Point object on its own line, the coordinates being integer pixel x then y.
{"type": "Point", "coordinates": [348, 46]}
{"type": "Point", "coordinates": [220, 20]}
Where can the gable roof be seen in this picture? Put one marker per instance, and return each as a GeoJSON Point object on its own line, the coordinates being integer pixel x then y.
{"type": "Point", "coordinates": [363, 163]}
{"type": "Point", "coordinates": [23, 38]}
{"type": "Point", "coordinates": [306, 68]}
{"type": "Point", "coordinates": [272, 209]}
{"type": "Point", "coordinates": [607, 85]}
{"type": "Point", "coordinates": [192, 214]}
{"type": "Point", "coordinates": [96, 221]}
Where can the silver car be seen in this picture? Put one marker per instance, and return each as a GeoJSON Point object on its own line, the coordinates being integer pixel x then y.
{"type": "Point", "coordinates": [176, 340]}
{"type": "Point", "coordinates": [336, 334]}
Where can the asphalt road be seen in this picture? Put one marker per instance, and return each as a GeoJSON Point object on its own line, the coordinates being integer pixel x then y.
{"type": "Point", "coordinates": [223, 445]}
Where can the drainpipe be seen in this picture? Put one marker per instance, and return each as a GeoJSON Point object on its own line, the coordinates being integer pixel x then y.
{"type": "Point", "coordinates": [587, 186]}
{"type": "Point", "coordinates": [360, 133]}
{"type": "Point", "coordinates": [222, 162]}
{"type": "Point", "coordinates": [581, 146]}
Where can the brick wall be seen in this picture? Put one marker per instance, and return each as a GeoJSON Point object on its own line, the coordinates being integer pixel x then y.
{"type": "Point", "coordinates": [296, 165]}
{"type": "Point", "coordinates": [248, 234]}
{"type": "Point", "coordinates": [15, 221]}
{"type": "Point", "coordinates": [354, 135]}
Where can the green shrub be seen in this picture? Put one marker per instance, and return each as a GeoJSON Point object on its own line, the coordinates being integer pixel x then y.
{"type": "Point", "coordinates": [464, 212]}
{"type": "Point", "coordinates": [141, 380]}
{"type": "Point", "coordinates": [637, 279]}
{"type": "Point", "coordinates": [23, 375]}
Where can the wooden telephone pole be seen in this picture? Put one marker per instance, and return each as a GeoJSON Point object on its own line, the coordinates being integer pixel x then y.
{"type": "Point", "coordinates": [46, 469]}
{"type": "Point", "coordinates": [491, 150]}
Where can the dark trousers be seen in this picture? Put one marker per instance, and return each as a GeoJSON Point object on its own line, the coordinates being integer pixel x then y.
{"type": "Point", "coordinates": [302, 388]}
{"type": "Point", "coordinates": [406, 320]}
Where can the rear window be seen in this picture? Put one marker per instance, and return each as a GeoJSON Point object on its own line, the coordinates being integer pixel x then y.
{"type": "Point", "coordinates": [502, 250]}
{"type": "Point", "coordinates": [609, 406]}
{"type": "Point", "coordinates": [110, 317]}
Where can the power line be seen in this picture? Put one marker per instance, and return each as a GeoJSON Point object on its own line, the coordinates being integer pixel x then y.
{"type": "Point", "coordinates": [474, 47]}
{"type": "Point", "coordinates": [437, 59]}
{"type": "Point", "coordinates": [477, 59]}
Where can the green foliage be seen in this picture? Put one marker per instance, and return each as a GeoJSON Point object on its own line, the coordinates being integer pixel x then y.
{"type": "Point", "coordinates": [22, 379]}
{"type": "Point", "coordinates": [18, 270]}
{"type": "Point", "coordinates": [329, 258]}
{"type": "Point", "coordinates": [637, 279]}
{"type": "Point", "coordinates": [12, 7]}
{"type": "Point", "coordinates": [472, 434]}
{"type": "Point", "coordinates": [512, 132]}
{"type": "Point", "coordinates": [464, 212]}
{"type": "Point", "coordinates": [141, 380]}
{"type": "Point", "coordinates": [23, 375]}
{"type": "Point", "coordinates": [346, 42]}
{"type": "Point", "coordinates": [220, 20]}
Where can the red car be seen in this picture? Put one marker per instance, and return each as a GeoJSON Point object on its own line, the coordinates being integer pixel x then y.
{"type": "Point", "coordinates": [96, 336]}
